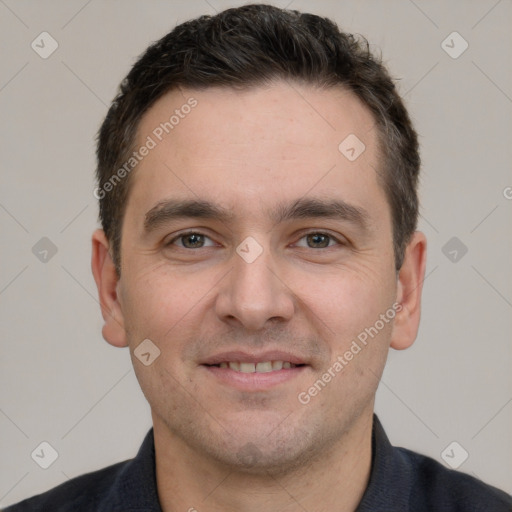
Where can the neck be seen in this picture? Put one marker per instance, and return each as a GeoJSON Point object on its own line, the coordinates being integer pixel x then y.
{"type": "Point", "coordinates": [335, 480]}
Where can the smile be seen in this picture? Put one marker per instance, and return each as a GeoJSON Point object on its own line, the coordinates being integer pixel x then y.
{"type": "Point", "coordinates": [259, 367]}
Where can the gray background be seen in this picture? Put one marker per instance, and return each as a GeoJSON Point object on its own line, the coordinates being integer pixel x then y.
{"type": "Point", "coordinates": [61, 383]}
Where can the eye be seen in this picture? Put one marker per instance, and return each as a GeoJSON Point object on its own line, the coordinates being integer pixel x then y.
{"type": "Point", "coordinates": [190, 240]}
{"type": "Point", "coordinates": [319, 240]}
{"type": "Point", "coordinates": [197, 240]}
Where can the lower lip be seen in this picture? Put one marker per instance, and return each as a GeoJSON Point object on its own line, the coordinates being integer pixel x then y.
{"type": "Point", "coordinates": [254, 381]}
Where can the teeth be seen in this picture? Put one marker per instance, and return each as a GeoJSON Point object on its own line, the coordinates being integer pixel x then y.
{"type": "Point", "coordinates": [261, 367]}
{"type": "Point", "coordinates": [247, 367]}
{"type": "Point", "coordinates": [264, 367]}
{"type": "Point", "coordinates": [277, 365]}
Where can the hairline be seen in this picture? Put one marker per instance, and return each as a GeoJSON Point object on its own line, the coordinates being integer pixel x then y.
{"type": "Point", "coordinates": [382, 171]}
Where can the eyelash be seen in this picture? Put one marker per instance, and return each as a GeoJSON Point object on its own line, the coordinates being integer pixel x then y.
{"type": "Point", "coordinates": [304, 235]}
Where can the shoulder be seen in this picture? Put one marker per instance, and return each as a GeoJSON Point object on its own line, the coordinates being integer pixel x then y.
{"type": "Point", "coordinates": [436, 487]}
{"type": "Point", "coordinates": [85, 492]}
{"type": "Point", "coordinates": [122, 487]}
{"type": "Point", "coordinates": [405, 481]}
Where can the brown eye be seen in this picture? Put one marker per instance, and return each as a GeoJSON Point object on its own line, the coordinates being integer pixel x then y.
{"type": "Point", "coordinates": [191, 240]}
{"type": "Point", "coordinates": [318, 240]}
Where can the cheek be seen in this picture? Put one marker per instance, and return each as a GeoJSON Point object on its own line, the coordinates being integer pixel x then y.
{"type": "Point", "coordinates": [159, 302]}
{"type": "Point", "coordinates": [350, 305]}
{"type": "Point", "coordinates": [345, 299]}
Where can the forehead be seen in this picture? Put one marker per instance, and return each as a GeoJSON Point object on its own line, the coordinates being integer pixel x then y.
{"type": "Point", "coordinates": [246, 147]}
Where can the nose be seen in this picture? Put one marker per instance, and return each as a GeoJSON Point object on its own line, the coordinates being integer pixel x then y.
{"type": "Point", "coordinates": [254, 293]}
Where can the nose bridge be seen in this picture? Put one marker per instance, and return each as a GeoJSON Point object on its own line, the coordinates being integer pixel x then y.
{"type": "Point", "coordinates": [253, 293]}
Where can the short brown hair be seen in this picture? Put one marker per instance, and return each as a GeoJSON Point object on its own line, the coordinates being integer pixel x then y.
{"type": "Point", "coordinates": [248, 46]}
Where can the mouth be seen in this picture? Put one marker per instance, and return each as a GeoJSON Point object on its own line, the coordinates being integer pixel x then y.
{"type": "Point", "coordinates": [253, 372]}
{"type": "Point", "coordinates": [259, 367]}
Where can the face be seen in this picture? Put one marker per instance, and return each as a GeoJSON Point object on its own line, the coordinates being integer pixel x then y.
{"type": "Point", "coordinates": [255, 255]}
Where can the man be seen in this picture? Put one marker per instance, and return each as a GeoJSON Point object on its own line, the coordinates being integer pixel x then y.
{"type": "Point", "coordinates": [257, 179]}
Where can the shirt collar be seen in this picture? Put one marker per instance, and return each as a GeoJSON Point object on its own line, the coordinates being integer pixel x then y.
{"type": "Point", "coordinates": [135, 488]}
{"type": "Point", "coordinates": [390, 479]}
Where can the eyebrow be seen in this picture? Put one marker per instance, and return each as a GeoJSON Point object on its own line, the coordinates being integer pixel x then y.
{"type": "Point", "coordinates": [304, 208]}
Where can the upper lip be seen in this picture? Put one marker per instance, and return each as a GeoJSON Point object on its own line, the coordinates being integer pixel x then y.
{"type": "Point", "coordinates": [246, 357]}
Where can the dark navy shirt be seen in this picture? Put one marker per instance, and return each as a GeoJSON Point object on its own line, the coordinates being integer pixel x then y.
{"type": "Point", "coordinates": [400, 481]}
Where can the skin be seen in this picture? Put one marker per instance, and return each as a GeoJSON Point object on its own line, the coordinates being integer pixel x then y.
{"type": "Point", "coordinates": [219, 447]}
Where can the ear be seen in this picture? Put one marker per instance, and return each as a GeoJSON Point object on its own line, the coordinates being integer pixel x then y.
{"type": "Point", "coordinates": [410, 285]}
{"type": "Point", "coordinates": [106, 278]}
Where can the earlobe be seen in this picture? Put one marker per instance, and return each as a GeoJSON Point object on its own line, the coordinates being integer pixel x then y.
{"type": "Point", "coordinates": [105, 275]}
{"type": "Point", "coordinates": [410, 285]}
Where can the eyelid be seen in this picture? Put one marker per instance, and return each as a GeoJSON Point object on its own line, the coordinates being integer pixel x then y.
{"type": "Point", "coordinates": [337, 238]}
{"type": "Point", "coordinates": [181, 234]}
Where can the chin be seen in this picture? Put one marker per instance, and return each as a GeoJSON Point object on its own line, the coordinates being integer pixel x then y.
{"type": "Point", "coordinates": [260, 451]}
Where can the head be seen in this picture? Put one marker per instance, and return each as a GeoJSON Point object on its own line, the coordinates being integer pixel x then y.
{"type": "Point", "coordinates": [264, 44]}
{"type": "Point", "coordinates": [294, 249]}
